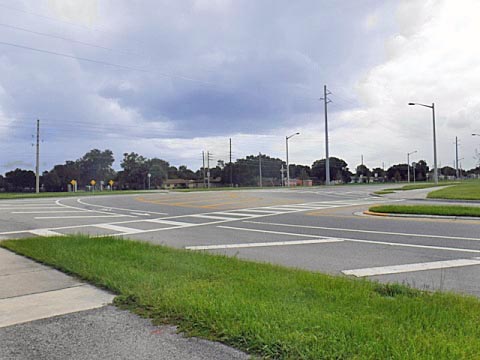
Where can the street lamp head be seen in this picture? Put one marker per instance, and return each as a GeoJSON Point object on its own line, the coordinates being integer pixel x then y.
{"type": "Point", "coordinates": [410, 103]}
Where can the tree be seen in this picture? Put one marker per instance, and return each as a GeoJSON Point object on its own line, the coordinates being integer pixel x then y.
{"type": "Point", "coordinates": [158, 168]}
{"type": "Point", "coordinates": [135, 169]}
{"type": "Point", "coordinates": [60, 176]}
{"type": "Point", "coordinates": [421, 170]}
{"type": "Point", "coordinates": [448, 171]}
{"type": "Point", "coordinates": [379, 174]}
{"type": "Point", "coordinates": [363, 172]}
{"type": "Point", "coordinates": [338, 170]}
{"type": "Point", "coordinates": [20, 180]}
{"type": "Point", "coordinates": [398, 172]}
{"type": "Point", "coordinates": [96, 165]}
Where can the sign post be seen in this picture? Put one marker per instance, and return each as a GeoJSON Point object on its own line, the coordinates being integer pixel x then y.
{"type": "Point", "coordinates": [93, 182]}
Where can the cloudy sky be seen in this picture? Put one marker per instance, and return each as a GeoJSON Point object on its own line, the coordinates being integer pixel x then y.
{"type": "Point", "coordinates": [171, 79]}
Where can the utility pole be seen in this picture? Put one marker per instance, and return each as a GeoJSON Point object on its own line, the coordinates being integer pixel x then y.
{"type": "Point", "coordinates": [260, 167]}
{"type": "Point", "coordinates": [283, 175]}
{"type": "Point", "coordinates": [208, 169]}
{"type": "Point", "coordinates": [456, 157]}
{"type": "Point", "coordinates": [203, 168]}
{"type": "Point", "coordinates": [326, 100]}
{"type": "Point", "coordinates": [37, 165]}
{"type": "Point", "coordinates": [231, 166]}
{"type": "Point", "coordinates": [362, 161]}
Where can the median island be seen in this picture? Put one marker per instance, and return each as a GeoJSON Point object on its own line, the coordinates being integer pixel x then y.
{"type": "Point", "coordinates": [439, 210]}
{"type": "Point", "coordinates": [266, 310]}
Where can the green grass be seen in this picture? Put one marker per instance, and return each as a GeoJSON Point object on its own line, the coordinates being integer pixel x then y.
{"type": "Point", "coordinates": [8, 196]}
{"type": "Point", "coordinates": [469, 190]}
{"type": "Point", "coordinates": [266, 310]}
{"type": "Point", "coordinates": [445, 210]}
{"type": "Point", "coordinates": [414, 186]}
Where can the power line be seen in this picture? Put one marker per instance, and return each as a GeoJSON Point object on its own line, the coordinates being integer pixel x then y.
{"type": "Point", "coordinates": [72, 57]}
{"type": "Point", "coordinates": [62, 38]}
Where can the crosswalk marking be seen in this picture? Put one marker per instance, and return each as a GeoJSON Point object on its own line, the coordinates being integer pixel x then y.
{"type": "Point", "coordinates": [169, 222]}
{"type": "Point", "coordinates": [397, 269]}
{"type": "Point", "coordinates": [45, 232]}
{"type": "Point", "coordinates": [209, 216]}
{"type": "Point", "coordinates": [121, 229]}
{"type": "Point", "coordinates": [263, 244]}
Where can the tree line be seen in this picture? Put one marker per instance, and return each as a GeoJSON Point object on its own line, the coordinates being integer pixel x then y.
{"type": "Point", "coordinates": [138, 172]}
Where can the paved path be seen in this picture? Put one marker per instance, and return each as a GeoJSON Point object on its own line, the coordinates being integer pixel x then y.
{"type": "Point", "coordinates": [45, 314]}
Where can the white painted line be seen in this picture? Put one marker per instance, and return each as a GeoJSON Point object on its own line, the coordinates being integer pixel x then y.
{"type": "Point", "coordinates": [140, 214]}
{"type": "Point", "coordinates": [30, 208]}
{"type": "Point", "coordinates": [121, 229]}
{"type": "Point", "coordinates": [263, 211]}
{"type": "Point", "coordinates": [80, 201]}
{"type": "Point", "coordinates": [228, 213]}
{"type": "Point", "coordinates": [263, 244]}
{"type": "Point", "coordinates": [364, 231]}
{"type": "Point", "coordinates": [45, 232]}
{"type": "Point", "coordinates": [429, 247]}
{"type": "Point", "coordinates": [202, 216]}
{"type": "Point", "coordinates": [48, 212]}
{"type": "Point", "coordinates": [82, 217]}
{"type": "Point", "coordinates": [285, 209]}
{"type": "Point", "coordinates": [397, 269]}
{"type": "Point", "coordinates": [169, 222]}
{"type": "Point", "coordinates": [268, 231]}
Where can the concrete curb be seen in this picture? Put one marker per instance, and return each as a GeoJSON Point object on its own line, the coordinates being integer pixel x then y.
{"type": "Point", "coordinates": [372, 213]}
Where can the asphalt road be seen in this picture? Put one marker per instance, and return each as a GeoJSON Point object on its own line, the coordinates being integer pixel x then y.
{"type": "Point", "coordinates": [318, 229]}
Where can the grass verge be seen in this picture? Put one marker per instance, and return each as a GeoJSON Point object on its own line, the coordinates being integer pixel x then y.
{"type": "Point", "coordinates": [465, 191]}
{"type": "Point", "coordinates": [9, 196]}
{"type": "Point", "coordinates": [445, 210]}
{"type": "Point", "coordinates": [415, 186]}
{"type": "Point", "coordinates": [267, 310]}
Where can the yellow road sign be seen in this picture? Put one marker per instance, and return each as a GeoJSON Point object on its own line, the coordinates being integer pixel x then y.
{"type": "Point", "coordinates": [111, 183]}
{"type": "Point", "coordinates": [73, 182]}
{"type": "Point", "coordinates": [93, 182]}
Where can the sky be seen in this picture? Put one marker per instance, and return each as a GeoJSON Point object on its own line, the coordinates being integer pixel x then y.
{"type": "Point", "coordinates": [171, 79]}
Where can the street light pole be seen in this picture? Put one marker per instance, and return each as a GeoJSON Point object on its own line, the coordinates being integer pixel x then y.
{"type": "Point", "coordinates": [288, 165]}
{"type": "Point", "coordinates": [435, 169]}
{"type": "Point", "coordinates": [408, 164]}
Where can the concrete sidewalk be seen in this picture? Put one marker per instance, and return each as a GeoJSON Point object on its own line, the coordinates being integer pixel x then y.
{"type": "Point", "coordinates": [46, 314]}
{"type": "Point", "coordinates": [31, 291]}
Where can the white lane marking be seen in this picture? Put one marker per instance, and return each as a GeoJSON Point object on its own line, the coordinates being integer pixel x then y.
{"type": "Point", "coordinates": [397, 269]}
{"type": "Point", "coordinates": [121, 229]}
{"type": "Point", "coordinates": [29, 208]}
{"type": "Point", "coordinates": [202, 216]}
{"type": "Point", "coordinates": [78, 208]}
{"type": "Point", "coordinates": [140, 214]}
{"type": "Point", "coordinates": [268, 214]}
{"type": "Point", "coordinates": [429, 247]}
{"type": "Point", "coordinates": [268, 231]}
{"type": "Point", "coordinates": [364, 231]}
{"type": "Point", "coordinates": [228, 213]}
{"type": "Point", "coordinates": [168, 222]}
{"type": "Point", "coordinates": [45, 232]}
{"type": "Point", "coordinates": [47, 211]}
{"type": "Point", "coordinates": [263, 211]}
{"type": "Point", "coordinates": [263, 244]}
{"type": "Point", "coordinates": [82, 217]}
{"type": "Point", "coordinates": [116, 208]}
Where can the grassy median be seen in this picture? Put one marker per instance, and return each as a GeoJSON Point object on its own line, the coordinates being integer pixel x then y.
{"type": "Point", "coordinates": [469, 190]}
{"type": "Point", "coordinates": [10, 196]}
{"type": "Point", "coordinates": [267, 310]}
{"type": "Point", "coordinates": [443, 210]}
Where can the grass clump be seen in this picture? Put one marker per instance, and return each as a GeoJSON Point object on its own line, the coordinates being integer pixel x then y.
{"type": "Point", "coordinates": [443, 210]}
{"type": "Point", "coordinates": [268, 310]}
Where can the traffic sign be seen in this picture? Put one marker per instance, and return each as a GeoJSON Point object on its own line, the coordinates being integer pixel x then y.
{"type": "Point", "coordinates": [93, 182]}
{"type": "Point", "coordinates": [73, 182]}
{"type": "Point", "coordinates": [111, 182]}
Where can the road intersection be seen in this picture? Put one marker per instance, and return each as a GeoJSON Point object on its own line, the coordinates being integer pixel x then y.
{"type": "Point", "coordinates": [319, 229]}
